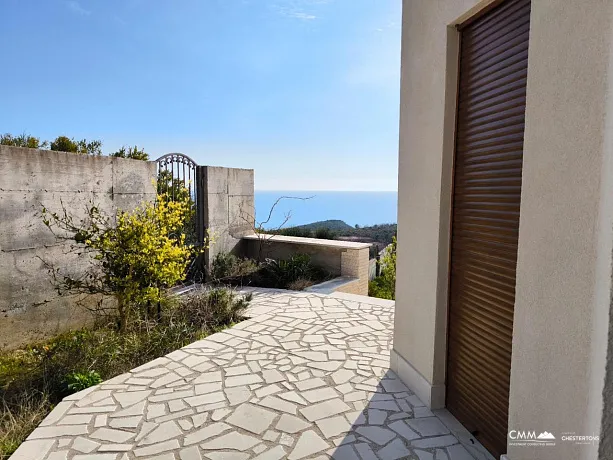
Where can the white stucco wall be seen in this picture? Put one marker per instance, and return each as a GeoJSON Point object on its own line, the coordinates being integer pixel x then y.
{"type": "Point", "coordinates": [564, 265]}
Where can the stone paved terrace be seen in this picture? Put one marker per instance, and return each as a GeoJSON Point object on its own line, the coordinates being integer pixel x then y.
{"type": "Point", "coordinates": [305, 378]}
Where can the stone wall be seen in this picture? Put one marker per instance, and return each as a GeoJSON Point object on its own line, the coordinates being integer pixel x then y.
{"type": "Point", "coordinates": [229, 203]}
{"type": "Point", "coordinates": [339, 258]}
{"type": "Point", "coordinates": [30, 179]}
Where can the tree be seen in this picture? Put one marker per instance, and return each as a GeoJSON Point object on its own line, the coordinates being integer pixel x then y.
{"type": "Point", "coordinates": [131, 152]}
{"type": "Point", "coordinates": [384, 286]}
{"type": "Point", "coordinates": [82, 147]}
{"type": "Point", "coordinates": [23, 140]}
{"type": "Point", "coordinates": [133, 256]}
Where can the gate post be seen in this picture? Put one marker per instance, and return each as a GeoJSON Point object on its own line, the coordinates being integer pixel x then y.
{"type": "Point", "coordinates": [201, 204]}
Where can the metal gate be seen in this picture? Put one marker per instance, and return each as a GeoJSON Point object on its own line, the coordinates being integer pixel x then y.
{"type": "Point", "coordinates": [180, 178]}
{"type": "Point", "coordinates": [485, 228]}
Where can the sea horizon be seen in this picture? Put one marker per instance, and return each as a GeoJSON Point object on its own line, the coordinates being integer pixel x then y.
{"type": "Point", "coordinates": [358, 207]}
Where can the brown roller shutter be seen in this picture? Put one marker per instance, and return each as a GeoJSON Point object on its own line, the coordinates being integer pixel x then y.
{"type": "Point", "coordinates": [485, 224]}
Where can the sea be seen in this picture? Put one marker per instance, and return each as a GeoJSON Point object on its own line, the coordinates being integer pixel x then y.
{"type": "Point", "coordinates": [304, 207]}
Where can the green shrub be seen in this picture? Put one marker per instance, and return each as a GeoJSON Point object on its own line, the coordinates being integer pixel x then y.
{"type": "Point", "coordinates": [384, 286]}
{"type": "Point", "coordinates": [281, 273]}
{"type": "Point", "coordinates": [133, 153]}
{"type": "Point", "coordinates": [23, 140]}
{"type": "Point", "coordinates": [295, 231]}
{"type": "Point", "coordinates": [133, 256]}
{"type": "Point", "coordinates": [228, 267]}
{"type": "Point", "coordinates": [324, 233]}
{"type": "Point", "coordinates": [82, 147]}
{"type": "Point", "coordinates": [77, 381]}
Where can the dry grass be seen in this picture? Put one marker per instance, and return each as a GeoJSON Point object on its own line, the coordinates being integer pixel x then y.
{"type": "Point", "coordinates": [34, 379]}
{"type": "Point", "coordinates": [16, 423]}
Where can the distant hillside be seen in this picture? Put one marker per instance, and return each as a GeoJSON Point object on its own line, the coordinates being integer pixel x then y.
{"type": "Point", "coordinates": [334, 225]}
{"type": "Point", "coordinates": [380, 235]}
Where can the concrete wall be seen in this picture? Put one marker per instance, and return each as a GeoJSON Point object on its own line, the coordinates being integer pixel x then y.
{"type": "Point", "coordinates": [29, 180]}
{"type": "Point", "coordinates": [229, 202]}
{"type": "Point", "coordinates": [563, 301]}
{"type": "Point", "coordinates": [339, 258]}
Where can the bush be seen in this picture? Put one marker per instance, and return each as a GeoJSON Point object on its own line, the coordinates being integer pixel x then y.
{"type": "Point", "coordinates": [77, 381]}
{"type": "Point", "coordinates": [228, 267]}
{"type": "Point", "coordinates": [384, 286]}
{"type": "Point", "coordinates": [324, 233]}
{"type": "Point", "coordinates": [23, 140]}
{"type": "Point", "coordinates": [133, 256]}
{"type": "Point", "coordinates": [281, 273]}
{"type": "Point", "coordinates": [82, 147]}
{"type": "Point", "coordinates": [133, 153]}
{"type": "Point", "coordinates": [35, 378]}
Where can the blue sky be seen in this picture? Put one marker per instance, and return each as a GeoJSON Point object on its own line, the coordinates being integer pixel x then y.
{"type": "Point", "coordinates": [306, 92]}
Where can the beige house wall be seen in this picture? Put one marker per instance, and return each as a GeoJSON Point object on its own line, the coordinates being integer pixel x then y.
{"type": "Point", "coordinates": [562, 312]}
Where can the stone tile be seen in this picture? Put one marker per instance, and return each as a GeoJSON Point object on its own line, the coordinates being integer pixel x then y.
{"type": "Point", "coordinates": [278, 404]}
{"type": "Point", "coordinates": [226, 456]}
{"type": "Point", "coordinates": [324, 409]}
{"type": "Point", "coordinates": [376, 417]}
{"type": "Point", "coordinates": [308, 443]}
{"type": "Point", "coordinates": [291, 424]}
{"type": "Point", "coordinates": [251, 418]}
{"type": "Point", "coordinates": [319, 394]}
{"type": "Point", "coordinates": [195, 401]}
{"type": "Point", "coordinates": [206, 388]}
{"type": "Point", "coordinates": [376, 434]}
{"type": "Point", "coordinates": [273, 376]}
{"type": "Point", "coordinates": [403, 430]}
{"type": "Point", "coordinates": [125, 422]}
{"type": "Point", "coordinates": [237, 395]}
{"type": "Point", "coordinates": [309, 384]}
{"type": "Point", "coordinates": [429, 426]}
{"type": "Point", "coordinates": [58, 431]}
{"type": "Point", "coordinates": [242, 380]}
{"type": "Point", "coordinates": [333, 426]}
{"type": "Point", "coordinates": [207, 432]}
{"type": "Point", "coordinates": [163, 432]}
{"type": "Point", "coordinates": [130, 398]}
{"type": "Point", "coordinates": [111, 435]}
{"type": "Point", "coordinates": [190, 453]}
{"type": "Point", "coordinates": [424, 454]}
{"type": "Point", "coordinates": [115, 447]}
{"type": "Point", "coordinates": [276, 453]}
{"type": "Point", "coordinates": [76, 419]}
{"type": "Point", "coordinates": [394, 450]}
{"type": "Point", "coordinates": [84, 445]}
{"type": "Point", "coordinates": [154, 449]}
{"type": "Point", "coordinates": [95, 457]}
{"type": "Point", "coordinates": [365, 452]}
{"type": "Point", "coordinates": [232, 440]}
{"type": "Point", "coordinates": [344, 452]}
{"type": "Point", "coordinates": [458, 452]}
{"type": "Point", "coordinates": [438, 441]}
{"type": "Point", "coordinates": [293, 397]}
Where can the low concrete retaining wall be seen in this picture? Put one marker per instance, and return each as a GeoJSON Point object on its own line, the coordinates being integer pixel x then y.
{"type": "Point", "coordinates": [339, 258]}
{"type": "Point", "coordinates": [30, 179]}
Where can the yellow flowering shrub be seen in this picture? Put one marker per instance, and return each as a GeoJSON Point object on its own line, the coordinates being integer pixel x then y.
{"type": "Point", "coordinates": [134, 257]}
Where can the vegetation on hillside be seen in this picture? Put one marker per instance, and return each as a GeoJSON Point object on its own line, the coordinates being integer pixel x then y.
{"type": "Point", "coordinates": [337, 229]}
{"type": "Point", "coordinates": [70, 145]}
{"type": "Point", "coordinates": [384, 286]}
